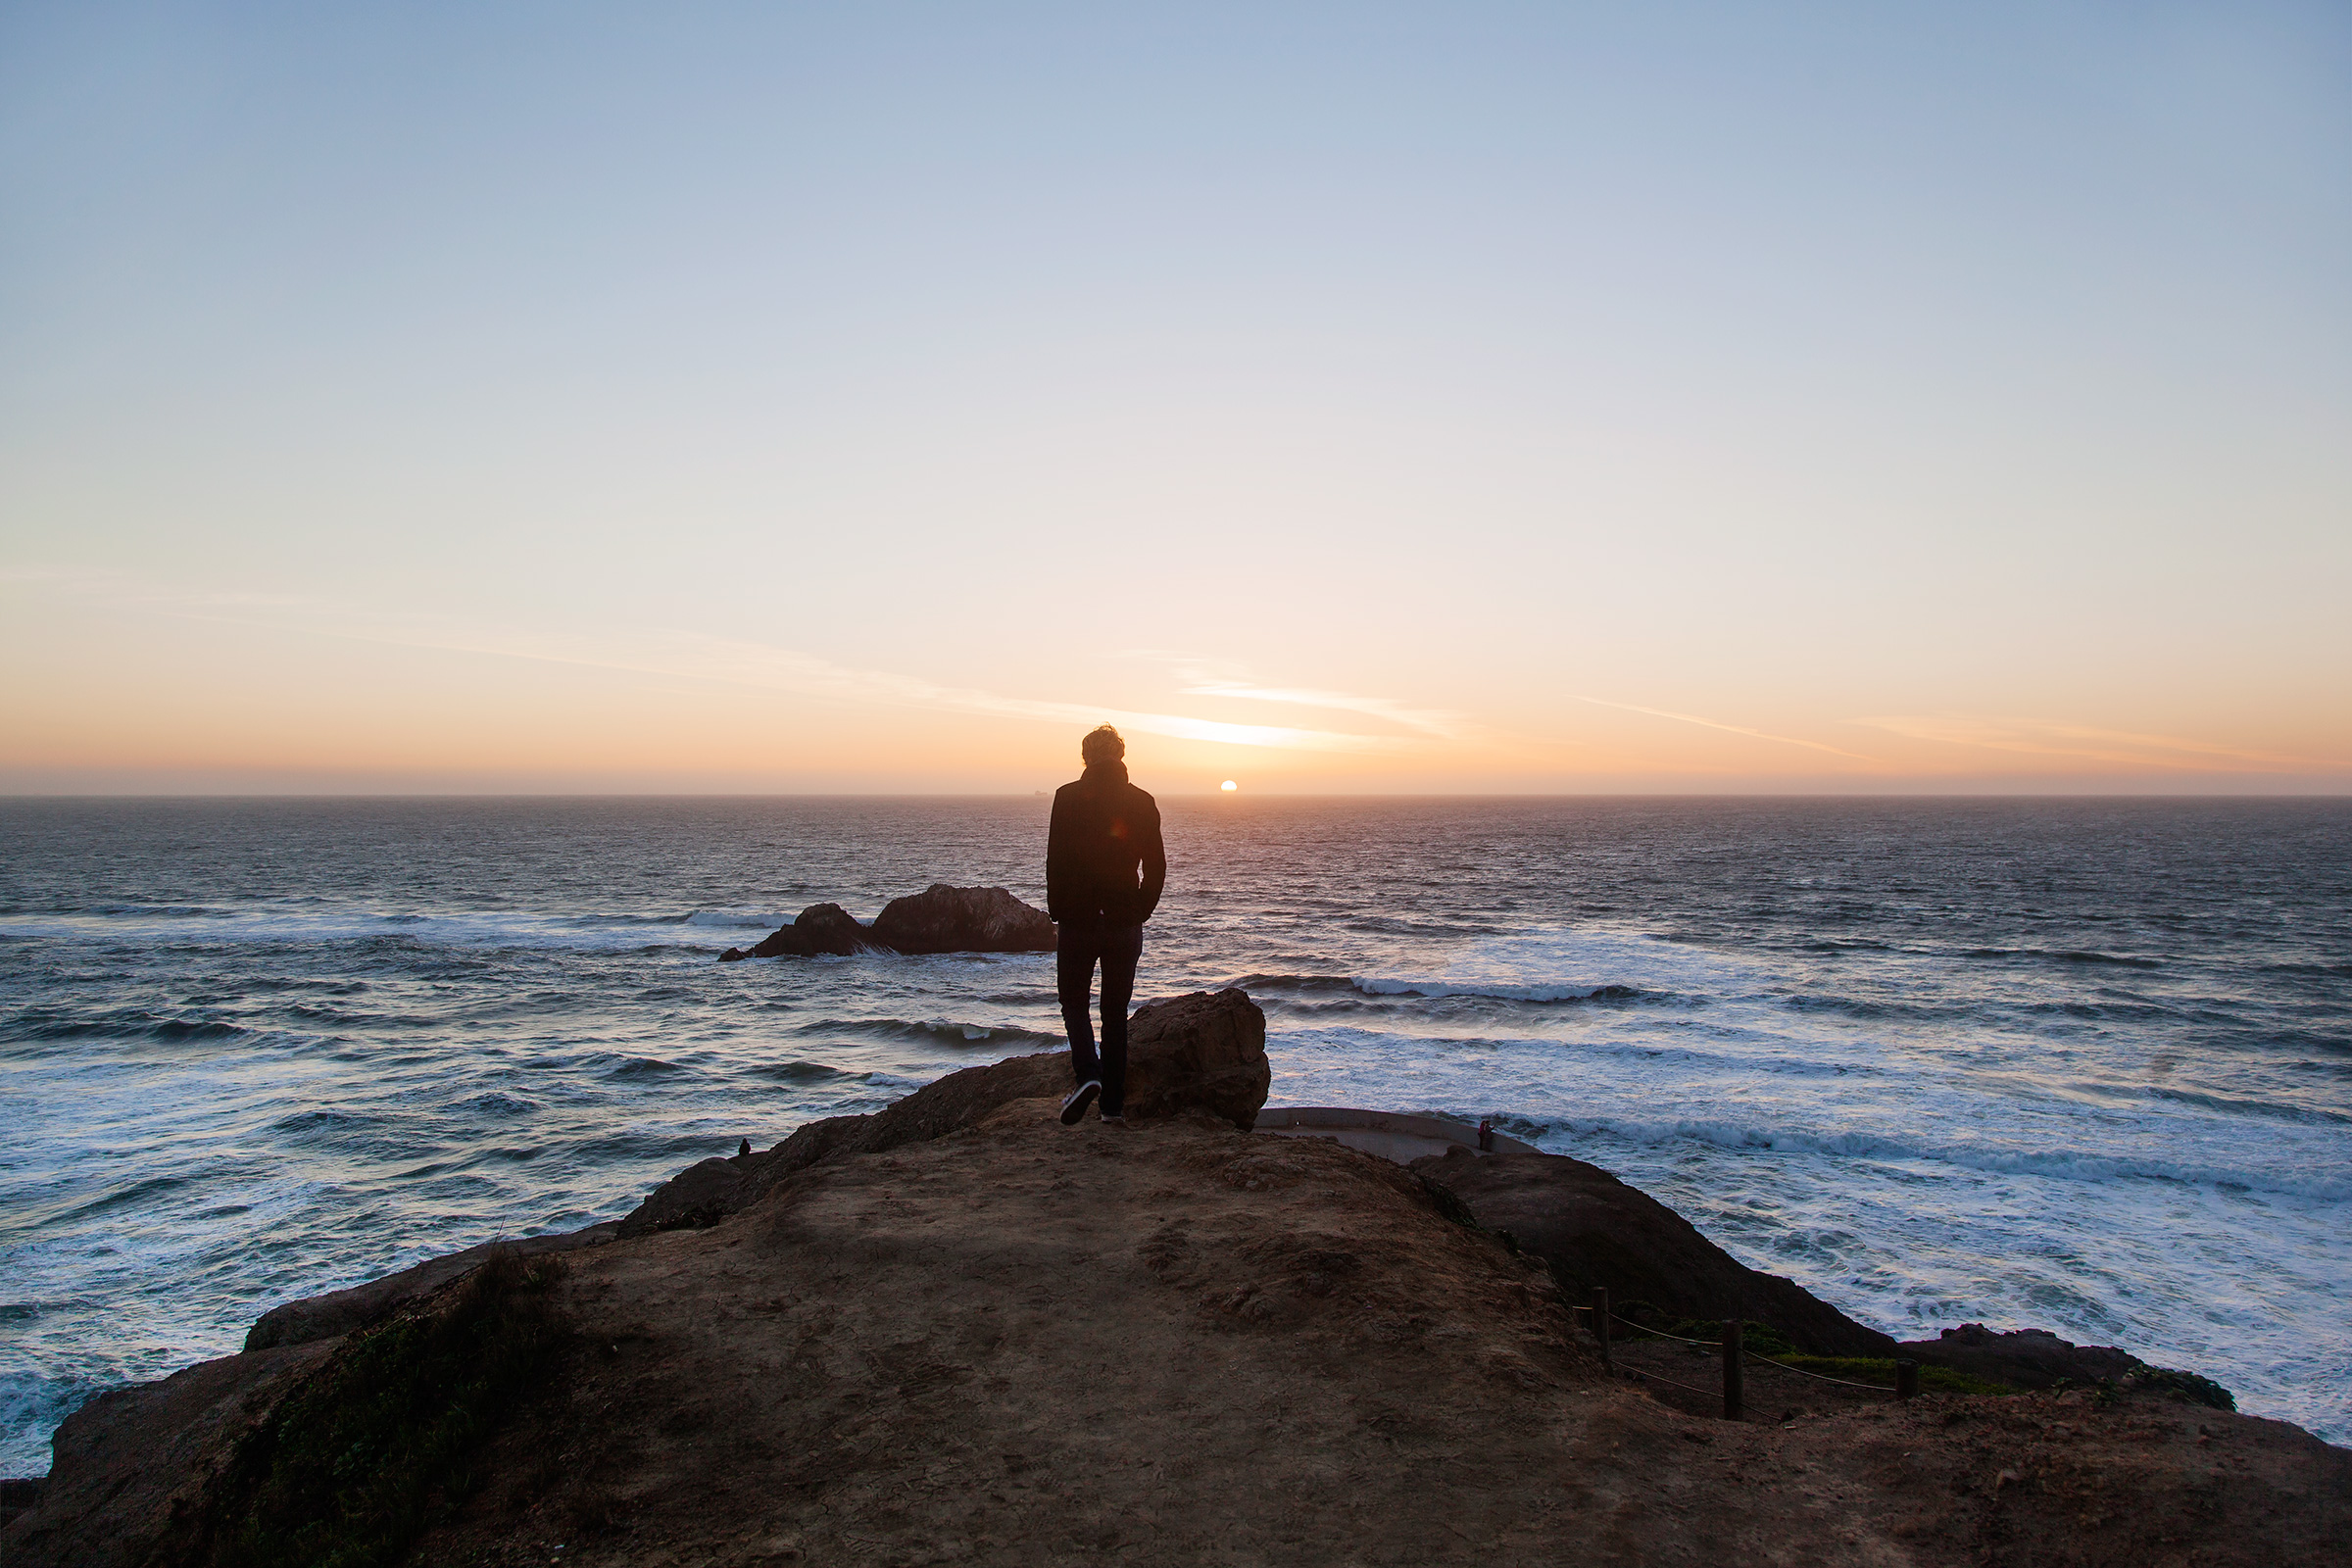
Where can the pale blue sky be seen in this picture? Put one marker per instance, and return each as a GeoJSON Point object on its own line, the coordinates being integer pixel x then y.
{"type": "Point", "coordinates": [408, 388]}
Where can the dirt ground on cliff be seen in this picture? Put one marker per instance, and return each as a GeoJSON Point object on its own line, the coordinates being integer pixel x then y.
{"type": "Point", "coordinates": [1179, 1344]}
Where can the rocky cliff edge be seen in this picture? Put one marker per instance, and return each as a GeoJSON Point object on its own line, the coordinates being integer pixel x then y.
{"type": "Point", "coordinates": [998, 1340]}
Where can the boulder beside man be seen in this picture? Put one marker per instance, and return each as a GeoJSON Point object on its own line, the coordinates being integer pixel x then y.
{"type": "Point", "coordinates": [1104, 869]}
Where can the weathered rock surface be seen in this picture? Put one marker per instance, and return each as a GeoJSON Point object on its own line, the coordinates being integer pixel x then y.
{"type": "Point", "coordinates": [1173, 1345]}
{"type": "Point", "coordinates": [779, 944]}
{"type": "Point", "coordinates": [939, 919]}
{"type": "Point", "coordinates": [704, 1192]}
{"type": "Point", "coordinates": [2027, 1358]}
{"type": "Point", "coordinates": [830, 928]}
{"type": "Point", "coordinates": [784, 942]}
{"type": "Point", "coordinates": [321, 1317]}
{"type": "Point", "coordinates": [946, 919]}
{"type": "Point", "coordinates": [819, 928]}
{"type": "Point", "coordinates": [1204, 1052]}
{"type": "Point", "coordinates": [131, 1466]}
{"type": "Point", "coordinates": [1593, 1230]}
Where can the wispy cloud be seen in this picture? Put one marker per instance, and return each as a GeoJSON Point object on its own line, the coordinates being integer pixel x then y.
{"type": "Point", "coordinates": [691, 656]}
{"type": "Point", "coordinates": [768, 667]}
{"type": "Point", "coordinates": [1200, 677]}
{"type": "Point", "coordinates": [2088, 742]}
{"type": "Point", "coordinates": [1733, 729]}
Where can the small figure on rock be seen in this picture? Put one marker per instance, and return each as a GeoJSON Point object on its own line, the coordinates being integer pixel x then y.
{"type": "Point", "coordinates": [1104, 869]}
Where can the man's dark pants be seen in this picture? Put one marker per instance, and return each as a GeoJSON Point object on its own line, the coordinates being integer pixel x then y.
{"type": "Point", "coordinates": [1078, 947]}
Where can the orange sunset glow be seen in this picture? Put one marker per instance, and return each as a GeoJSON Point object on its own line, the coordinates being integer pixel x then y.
{"type": "Point", "coordinates": [804, 433]}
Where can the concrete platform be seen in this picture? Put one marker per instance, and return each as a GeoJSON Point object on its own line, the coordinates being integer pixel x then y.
{"type": "Point", "coordinates": [1390, 1134]}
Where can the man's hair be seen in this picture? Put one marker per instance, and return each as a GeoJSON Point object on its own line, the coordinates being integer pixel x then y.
{"type": "Point", "coordinates": [1102, 745]}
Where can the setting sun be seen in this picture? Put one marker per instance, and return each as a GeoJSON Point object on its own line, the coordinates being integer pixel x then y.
{"type": "Point", "coordinates": [1229, 785]}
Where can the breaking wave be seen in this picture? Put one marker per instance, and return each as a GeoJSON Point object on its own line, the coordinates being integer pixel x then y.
{"type": "Point", "coordinates": [2074, 1165]}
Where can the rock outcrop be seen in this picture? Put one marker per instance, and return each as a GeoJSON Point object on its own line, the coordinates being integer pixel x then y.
{"type": "Point", "coordinates": [831, 929]}
{"type": "Point", "coordinates": [132, 1466]}
{"type": "Point", "coordinates": [1205, 1052]}
{"type": "Point", "coordinates": [819, 928]}
{"type": "Point", "coordinates": [939, 919]}
{"type": "Point", "coordinates": [946, 919]}
{"type": "Point", "coordinates": [705, 1191]}
{"type": "Point", "coordinates": [1164, 1345]}
{"type": "Point", "coordinates": [322, 1317]}
{"type": "Point", "coordinates": [1593, 1230]}
{"type": "Point", "coordinates": [2026, 1359]}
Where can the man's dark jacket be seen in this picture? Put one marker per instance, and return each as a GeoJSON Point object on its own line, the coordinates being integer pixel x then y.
{"type": "Point", "coordinates": [1103, 861]}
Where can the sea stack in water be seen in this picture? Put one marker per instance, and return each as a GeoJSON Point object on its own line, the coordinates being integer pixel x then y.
{"type": "Point", "coordinates": [939, 919]}
{"type": "Point", "coordinates": [946, 919]}
{"type": "Point", "coordinates": [821, 928]}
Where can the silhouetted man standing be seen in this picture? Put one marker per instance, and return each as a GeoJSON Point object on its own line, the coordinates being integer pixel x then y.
{"type": "Point", "coordinates": [1105, 868]}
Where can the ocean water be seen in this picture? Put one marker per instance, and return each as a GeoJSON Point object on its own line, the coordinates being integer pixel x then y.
{"type": "Point", "coordinates": [2083, 1065]}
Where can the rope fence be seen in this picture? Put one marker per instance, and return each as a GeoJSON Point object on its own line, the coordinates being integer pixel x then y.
{"type": "Point", "coordinates": [1652, 1377]}
{"type": "Point", "coordinates": [1843, 1383]}
{"type": "Point", "coordinates": [1736, 1356]}
{"type": "Point", "coordinates": [1643, 1328]}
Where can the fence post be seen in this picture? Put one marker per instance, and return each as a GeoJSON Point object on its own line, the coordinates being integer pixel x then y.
{"type": "Point", "coordinates": [1906, 1379]}
{"type": "Point", "coordinates": [1601, 1325]}
{"type": "Point", "coordinates": [1734, 1371]}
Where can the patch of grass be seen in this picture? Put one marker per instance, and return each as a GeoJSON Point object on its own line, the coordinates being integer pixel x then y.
{"type": "Point", "coordinates": [379, 1443]}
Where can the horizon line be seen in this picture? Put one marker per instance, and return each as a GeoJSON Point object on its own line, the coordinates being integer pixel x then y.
{"type": "Point", "coordinates": [7, 795]}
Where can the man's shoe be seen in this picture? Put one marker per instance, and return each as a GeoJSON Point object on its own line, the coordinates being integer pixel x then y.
{"type": "Point", "coordinates": [1073, 1110]}
{"type": "Point", "coordinates": [1114, 1121]}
